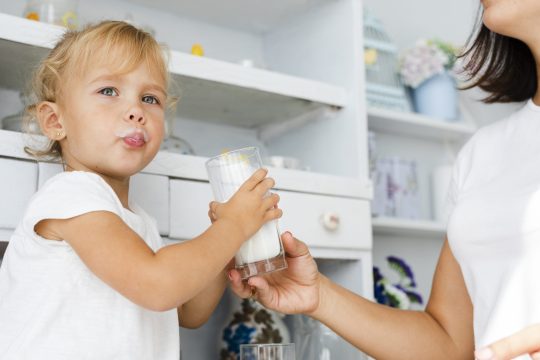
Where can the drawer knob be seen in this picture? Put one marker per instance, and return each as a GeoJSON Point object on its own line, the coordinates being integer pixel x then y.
{"type": "Point", "coordinates": [330, 221]}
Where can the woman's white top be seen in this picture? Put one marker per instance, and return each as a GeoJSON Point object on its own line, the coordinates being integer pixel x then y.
{"type": "Point", "coordinates": [53, 307]}
{"type": "Point", "coordinates": [494, 224]}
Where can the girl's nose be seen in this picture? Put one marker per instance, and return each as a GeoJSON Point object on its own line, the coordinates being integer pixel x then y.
{"type": "Point", "coordinates": [138, 118]}
{"type": "Point", "coordinates": [136, 114]}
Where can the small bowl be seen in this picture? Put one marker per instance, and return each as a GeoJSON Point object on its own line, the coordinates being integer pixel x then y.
{"type": "Point", "coordinates": [285, 162]}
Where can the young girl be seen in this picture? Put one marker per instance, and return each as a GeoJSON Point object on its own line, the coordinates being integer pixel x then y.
{"type": "Point", "coordinates": [86, 275]}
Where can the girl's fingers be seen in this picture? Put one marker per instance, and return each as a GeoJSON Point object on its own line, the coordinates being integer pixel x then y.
{"type": "Point", "coordinates": [214, 205]}
{"type": "Point", "coordinates": [240, 288]}
{"type": "Point", "coordinates": [264, 186]}
{"type": "Point", "coordinates": [273, 214]}
{"type": "Point", "coordinates": [270, 201]}
{"type": "Point", "coordinates": [254, 180]}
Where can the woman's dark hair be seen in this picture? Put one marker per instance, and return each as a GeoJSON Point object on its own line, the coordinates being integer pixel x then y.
{"type": "Point", "coordinates": [501, 65]}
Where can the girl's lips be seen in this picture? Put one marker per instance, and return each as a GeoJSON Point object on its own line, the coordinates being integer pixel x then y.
{"type": "Point", "coordinates": [134, 141]}
{"type": "Point", "coordinates": [132, 136]}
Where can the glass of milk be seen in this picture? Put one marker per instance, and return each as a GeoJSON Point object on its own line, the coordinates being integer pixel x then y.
{"type": "Point", "coordinates": [263, 252]}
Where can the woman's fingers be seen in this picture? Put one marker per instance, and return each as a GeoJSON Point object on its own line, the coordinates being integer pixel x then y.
{"type": "Point", "coordinates": [526, 341]}
{"type": "Point", "coordinates": [292, 246]}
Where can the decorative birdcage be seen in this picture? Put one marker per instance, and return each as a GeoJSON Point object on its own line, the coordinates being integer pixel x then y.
{"type": "Point", "coordinates": [383, 82]}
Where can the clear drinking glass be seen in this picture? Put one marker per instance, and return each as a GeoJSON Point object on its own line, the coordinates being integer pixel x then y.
{"type": "Point", "coordinates": [267, 352]}
{"type": "Point", "coordinates": [263, 252]}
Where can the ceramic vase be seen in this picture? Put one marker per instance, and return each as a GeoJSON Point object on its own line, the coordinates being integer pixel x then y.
{"type": "Point", "coordinates": [437, 97]}
{"type": "Point", "coordinates": [250, 323]}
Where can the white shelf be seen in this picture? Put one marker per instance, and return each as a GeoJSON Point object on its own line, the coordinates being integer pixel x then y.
{"type": "Point", "coordinates": [212, 90]}
{"type": "Point", "coordinates": [5, 235]}
{"type": "Point", "coordinates": [415, 125]}
{"type": "Point", "coordinates": [408, 228]}
{"type": "Point", "coordinates": [247, 15]}
{"type": "Point", "coordinates": [192, 168]}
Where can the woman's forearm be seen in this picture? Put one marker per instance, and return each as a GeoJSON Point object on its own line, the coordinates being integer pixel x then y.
{"type": "Point", "coordinates": [381, 331]}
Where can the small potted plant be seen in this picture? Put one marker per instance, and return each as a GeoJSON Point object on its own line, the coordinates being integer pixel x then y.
{"type": "Point", "coordinates": [428, 70]}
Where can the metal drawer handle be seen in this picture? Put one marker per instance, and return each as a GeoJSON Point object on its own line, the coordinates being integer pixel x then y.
{"type": "Point", "coordinates": [330, 221]}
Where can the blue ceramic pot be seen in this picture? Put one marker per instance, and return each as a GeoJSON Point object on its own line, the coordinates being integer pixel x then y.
{"type": "Point", "coordinates": [437, 97]}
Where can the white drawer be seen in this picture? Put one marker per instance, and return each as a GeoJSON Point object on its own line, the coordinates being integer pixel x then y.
{"type": "Point", "coordinates": [151, 192]}
{"type": "Point", "coordinates": [189, 208]}
{"type": "Point", "coordinates": [302, 215]}
{"type": "Point", "coordinates": [18, 182]}
{"type": "Point", "coordinates": [309, 217]}
{"type": "Point", "coordinates": [47, 171]}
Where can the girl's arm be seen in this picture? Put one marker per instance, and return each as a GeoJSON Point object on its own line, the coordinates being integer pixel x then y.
{"type": "Point", "coordinates": [174, 274]}
{"type": "Point", "coordinates": [443, 331]}
{"type": "Point", "coordinates": [196, 311]}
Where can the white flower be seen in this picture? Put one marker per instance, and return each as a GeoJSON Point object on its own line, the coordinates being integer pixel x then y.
{"type": "Point", "coordinates": [423, 61]}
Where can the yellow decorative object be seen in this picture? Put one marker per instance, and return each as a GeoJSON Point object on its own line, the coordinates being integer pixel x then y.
{"type": "Point", "coordinates": [370, 56]}
{"type": "Point", "coordinates": [32, 15]}
{"type": "Point", "coordinates": [197, 50]}
{"type": "Point", "coordinates": [69, 20]}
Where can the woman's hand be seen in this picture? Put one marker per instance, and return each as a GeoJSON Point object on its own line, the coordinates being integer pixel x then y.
{"type": "Point", "coordinates": [526, 341]}
{"type": "Point", "coordinates": [293, 290]}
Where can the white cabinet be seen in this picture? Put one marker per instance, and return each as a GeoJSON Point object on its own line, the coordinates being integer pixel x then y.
{"type": "Point", "coordinates": [151, 192]}
{"type": "Point", "coordinates": [303, 98]}
{"type": "Point", "coordinates": [47, 171]}
{"type": "Point", "coordinates": [189, 208]}
{"type": "Point", "coordinates": [326, 222]}
{"type": "Point", "coordinates": [18, 182]}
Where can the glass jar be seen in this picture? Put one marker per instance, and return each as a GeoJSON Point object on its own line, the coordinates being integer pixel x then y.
{"type": "Point", "coordinates": [58, 12]}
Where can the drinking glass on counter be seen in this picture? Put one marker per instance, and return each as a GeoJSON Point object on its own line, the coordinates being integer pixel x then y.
{"type": "Point", "coordinates": [263, 252]}
{"type": "Point", "coordinates": [267, 352]}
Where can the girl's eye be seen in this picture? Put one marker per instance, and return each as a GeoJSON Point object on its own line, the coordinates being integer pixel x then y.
{"type": "Point", "coordinates": [149, 99]}
{"type": "Point", "coordinates": [108, 91]}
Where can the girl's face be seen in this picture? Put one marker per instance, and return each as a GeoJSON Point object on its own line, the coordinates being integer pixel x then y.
{"type": "Point", "coordinates": [114, 122]}
{"type": "Point", "coordinates": [518, 19]}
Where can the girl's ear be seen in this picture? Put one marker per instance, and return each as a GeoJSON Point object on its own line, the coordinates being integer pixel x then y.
{"type": "Point", "coordinates": [48, 115]}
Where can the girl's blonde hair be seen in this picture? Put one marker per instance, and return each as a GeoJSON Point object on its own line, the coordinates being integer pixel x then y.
{"type": "Point", "coordinates": [115, 43]}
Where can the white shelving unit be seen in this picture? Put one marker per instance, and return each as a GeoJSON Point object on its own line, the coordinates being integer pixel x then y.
{"type": "Point", "coordinates": [416, 125]}
{"type": "Point", "coordinates": [305, 100]}
{"type": "Point", "coordinates": [209, 86]}
{"type": "Point", "coordinates": [408, 228]}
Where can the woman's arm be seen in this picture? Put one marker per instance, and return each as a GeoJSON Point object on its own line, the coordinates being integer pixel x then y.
{"type": "Point", "coordinates": [443, 331]}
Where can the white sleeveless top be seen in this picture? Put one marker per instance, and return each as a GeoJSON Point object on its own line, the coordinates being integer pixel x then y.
{"type": "Point", "coordinates": [494, 227]}
{"type": "Point", "coordinates": [53, 307]}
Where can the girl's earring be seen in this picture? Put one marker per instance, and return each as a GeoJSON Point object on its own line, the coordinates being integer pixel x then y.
{"type": "Point", "coordinates": [59, 133]}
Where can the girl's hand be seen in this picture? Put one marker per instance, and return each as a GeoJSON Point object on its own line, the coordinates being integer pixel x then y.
{"type": "Point", "coordinates": [526, 341]}
{"type": "Point", "coordinates": [249, 208]}
{"type": "Point", "coordinates": [292, 290]}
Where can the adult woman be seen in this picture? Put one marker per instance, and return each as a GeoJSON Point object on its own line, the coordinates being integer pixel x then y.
{"type": "Point", "coordinates": [483, 287]}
